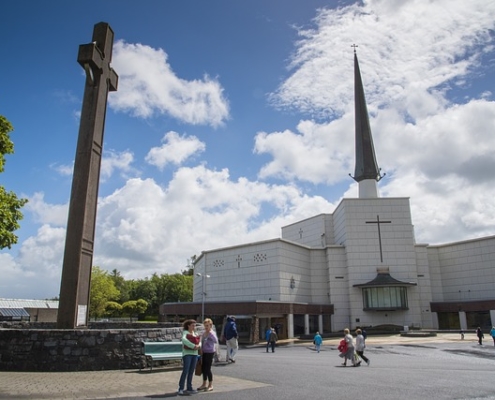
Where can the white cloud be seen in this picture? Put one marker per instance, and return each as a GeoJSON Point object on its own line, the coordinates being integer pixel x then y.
{"type": "Point", "coordinates": [44, 213]}
{"type": "Point", "coordinates": [311, 154]}
{"type": "Point", "coordinates": [114, 160]}
{"type": "Point", "coordinates": [176, 149]}
{"type": "Point", "coordinates": [407, 51]}
{"type": "Point", "coordinates": [148, 85]}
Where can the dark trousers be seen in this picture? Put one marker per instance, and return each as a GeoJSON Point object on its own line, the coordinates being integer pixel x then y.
{"type": "Point", "coordinates": [272, 344]}
{"type": "Point", "coordinates": [206, 361]}
{"type": "Point", "coordinates": [361, 354]}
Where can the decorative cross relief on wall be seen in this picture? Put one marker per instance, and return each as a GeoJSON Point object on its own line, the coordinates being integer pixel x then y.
{"type": "Point", "coordinates": [260, 257]}
{"type": "Point", "coordinates": [238, 259]}
{"type": "Point", "coordinates": [218, 263]}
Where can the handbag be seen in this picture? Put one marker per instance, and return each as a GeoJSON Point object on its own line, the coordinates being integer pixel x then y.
{"type": "Point", "coordinates": [198, 371]}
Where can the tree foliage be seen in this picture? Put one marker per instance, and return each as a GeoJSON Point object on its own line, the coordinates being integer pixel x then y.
{"type": "Point", "coordinates": [113, 296]}
{"type": "Point", "coordinates": [10, 204]}
{"type": "Point", "coordinates": [102, 291]}
{"type": "Point", "coordinates": [134, 307]}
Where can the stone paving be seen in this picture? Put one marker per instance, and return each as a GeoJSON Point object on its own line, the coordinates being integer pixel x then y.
{"type": "Point", "coordinates": [161, 382]}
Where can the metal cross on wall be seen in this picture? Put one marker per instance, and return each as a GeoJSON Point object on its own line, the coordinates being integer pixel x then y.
{"type": "Point", "coordinates": [95, 58]}
{"type": "Point", "coordinates": [378, 222]}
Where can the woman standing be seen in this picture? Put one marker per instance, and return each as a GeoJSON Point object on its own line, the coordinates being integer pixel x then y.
{"type": "Point", "coordinates": [360, 346]}
{"type": "Point", "coordinates": [317, 340]}
{"type": "Point", "coordinates": [208, 344]}
{"type": "Point", "coordinates": [190, 347]}
{"type": "Point", "coordinates": [349, 354]}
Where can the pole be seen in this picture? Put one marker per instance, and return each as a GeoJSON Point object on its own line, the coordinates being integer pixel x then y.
{"type": "Point", "coordinates": [203, 302]}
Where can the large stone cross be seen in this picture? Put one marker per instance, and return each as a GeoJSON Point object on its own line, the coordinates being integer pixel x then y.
{"type": "Point", "coordinates": [95, 58]}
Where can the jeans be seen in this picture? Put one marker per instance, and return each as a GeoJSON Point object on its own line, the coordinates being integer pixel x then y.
{"type": "Point", "coordinates": [188, 367]}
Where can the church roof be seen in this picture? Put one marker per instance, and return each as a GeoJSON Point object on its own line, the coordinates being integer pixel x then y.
{"type": "Point", "coordinates": [366, 165]}
{"type": "Point", "coordinates": [384, 279]}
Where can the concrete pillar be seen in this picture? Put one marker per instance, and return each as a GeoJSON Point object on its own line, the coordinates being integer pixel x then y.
{"type": "Point", "coordinates": [306, 324]}
{"type": "Point", "coordinates": [290, 326]}
{"type": "Point", "coordinates": [320, 324]}
{"type": "Point", "coordinates": [492, 317]}
{"type": "Point", "coordinates": [463, 320]}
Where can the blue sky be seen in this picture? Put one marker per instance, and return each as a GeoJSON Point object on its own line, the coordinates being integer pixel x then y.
{"type": "Point", "coordinates": [233, 119]}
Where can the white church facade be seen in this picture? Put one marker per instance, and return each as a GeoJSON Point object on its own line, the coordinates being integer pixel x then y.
{"type": "Point", "coordinates": [359, 266]}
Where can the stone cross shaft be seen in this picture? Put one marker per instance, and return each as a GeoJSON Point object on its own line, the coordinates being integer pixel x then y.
{"type": "Point", "coordinates": [95, 58]}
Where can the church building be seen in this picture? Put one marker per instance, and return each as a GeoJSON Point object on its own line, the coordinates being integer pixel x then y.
{"type": "Point", "coordinates": [359, 266]}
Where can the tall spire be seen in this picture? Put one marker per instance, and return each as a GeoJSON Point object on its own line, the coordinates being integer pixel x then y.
{"type": "Point", "coordinates": [366, 172]}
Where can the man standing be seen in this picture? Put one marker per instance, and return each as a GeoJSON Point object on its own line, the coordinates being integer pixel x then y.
{"type": "Point", "coordinates": [273, 339]}
{"type": "Point", "coordinates": [267, 337]}
{"type": "Point", "coordinates": [480, 335]}
{"type": "Point", "coordinates": [492, 334]}
{"type": "Point", "coordinates": [230, 335]}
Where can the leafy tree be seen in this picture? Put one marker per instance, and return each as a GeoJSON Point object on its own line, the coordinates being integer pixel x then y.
{"type": "Point", "coordinates": [122, 285]}
{"type": "Point", "coordinates": [102, 291]}
{"type": "Point", "coordinates": [134, 307]}
{"type": "Point", "coordinates": [178, 288]}
{"type": "Point", "coordinates": [113, 309]}
{"type": "Point", "coordinates": [10, 204]}
{"type": "Point", "coordinates": [144, 289]}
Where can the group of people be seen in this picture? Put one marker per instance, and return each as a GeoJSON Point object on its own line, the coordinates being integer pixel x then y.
{"type": "Point", "coordinates": [203, 347]}
{"type": "Point", "coordinates": [353, 353]}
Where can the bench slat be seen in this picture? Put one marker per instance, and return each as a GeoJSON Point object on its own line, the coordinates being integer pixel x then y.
{"type": "Point", "coordinates": [161, 351]}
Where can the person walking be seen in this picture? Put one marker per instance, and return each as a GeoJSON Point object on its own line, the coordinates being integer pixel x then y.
{"type": "Point", "coordinates": [317, 340]}
{"type": "Point", "coordinates": [190, 346]}
{"type": "Point", "coordinates": [360, 346]}
{"type": "Point", "coordinates": [480, 335]}
{"type": "Point", "coordinates": [492, 334]}
{"type": "Point", "coordinates": [273, 339]}
{"type": "Point", "coordinates": [208, 344]}
{"type": "Point", "coordinates": [348, 351]}
{"type": "Point", "coordinates": [267, 337]}
{"type": "Point", "coordinates": [230, 334]}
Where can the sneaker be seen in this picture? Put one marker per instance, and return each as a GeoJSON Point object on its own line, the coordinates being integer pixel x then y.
{"type": "Point", "coordinates": [180, 392]}
{"type": "Point", "coordinates": [192, 391]}
{"type": "Point", "coordinates": [232, 361]}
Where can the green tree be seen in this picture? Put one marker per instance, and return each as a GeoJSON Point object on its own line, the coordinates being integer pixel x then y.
{"type": "Point", "coordinates": [122, 285]}
{"type": "Point", "coordinates": [113, 309]}
{"type": "Point", "coordinates": [178, 288]}
{"type": "Point", "coordinates": [144, 289]}
{"type": "Point", "coordinates": [10, 204]}
{"type": "Point", "coordinates": [134, 307]}
{"type": "Point", "coordinates": [102, 291]}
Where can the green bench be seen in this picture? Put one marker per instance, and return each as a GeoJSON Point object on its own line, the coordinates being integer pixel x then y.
{"type": "Point", "coordinates": [161, 351]}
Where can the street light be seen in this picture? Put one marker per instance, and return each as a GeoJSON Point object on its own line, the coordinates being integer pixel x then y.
{"type": "Point", "coordinates": [203, 289]}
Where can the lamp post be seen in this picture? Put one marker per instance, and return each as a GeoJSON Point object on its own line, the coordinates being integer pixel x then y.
{"type": "Point", "coordinates": [203, 293]}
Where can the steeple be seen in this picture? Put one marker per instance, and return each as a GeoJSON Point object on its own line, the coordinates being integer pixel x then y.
{"type": "Point", "coordinates": [366, 173]}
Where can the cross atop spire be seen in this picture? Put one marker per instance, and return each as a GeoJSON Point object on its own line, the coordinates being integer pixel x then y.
{"type": "Point", "coordinates": [354, 45]}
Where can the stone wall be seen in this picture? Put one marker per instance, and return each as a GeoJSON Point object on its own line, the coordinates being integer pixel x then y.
{"type": "Point", "coordinates": [30, 348]}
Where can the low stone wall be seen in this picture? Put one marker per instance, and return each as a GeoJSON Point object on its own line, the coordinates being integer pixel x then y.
{"type": "Point", "coordinates": [34, 349]}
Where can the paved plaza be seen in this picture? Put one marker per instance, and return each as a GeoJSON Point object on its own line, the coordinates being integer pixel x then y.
{"type": "Point", "coordinates": [441, 367]}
